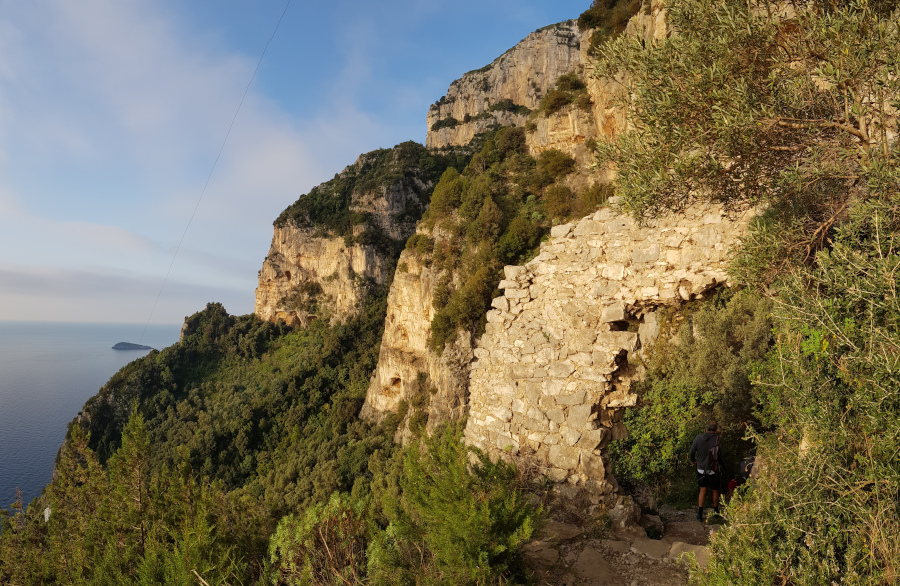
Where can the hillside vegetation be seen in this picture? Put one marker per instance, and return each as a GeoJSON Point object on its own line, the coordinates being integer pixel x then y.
{"type": "Point", "coordinates": [492, 214]}
{"type": "Point", "coordinates": [790, 107]}
{"type": "Point", "coordinates": [237, 455]}
{"type": "Point", "coordinates": [333, 208]}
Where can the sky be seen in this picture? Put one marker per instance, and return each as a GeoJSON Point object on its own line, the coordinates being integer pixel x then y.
{"type": "Point", "coordinates": [113, 113]}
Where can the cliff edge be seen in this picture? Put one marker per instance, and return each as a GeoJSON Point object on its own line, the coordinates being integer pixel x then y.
{"type": "Point", "coordinates": [337, 242]}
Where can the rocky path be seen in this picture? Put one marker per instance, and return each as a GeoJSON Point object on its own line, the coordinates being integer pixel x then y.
{"type": "Point", "coordinates": [567, 555]}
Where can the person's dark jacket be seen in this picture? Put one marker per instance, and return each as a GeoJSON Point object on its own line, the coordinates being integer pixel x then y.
{"type": "Point", "coordinates": [700, 448]}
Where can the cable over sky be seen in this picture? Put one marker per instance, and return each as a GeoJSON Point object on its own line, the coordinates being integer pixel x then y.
{"type": "Point", "coordinates": [213, 168]}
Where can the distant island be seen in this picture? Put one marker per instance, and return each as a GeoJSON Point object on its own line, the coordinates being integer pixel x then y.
{"type": "Point", "coordinates": [130, 346]}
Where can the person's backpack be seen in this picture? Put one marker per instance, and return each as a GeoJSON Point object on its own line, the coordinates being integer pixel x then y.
{"type": "Point", "coordinates": [714, 456]}
{"type": "Point", "coordinates": [746, 467]}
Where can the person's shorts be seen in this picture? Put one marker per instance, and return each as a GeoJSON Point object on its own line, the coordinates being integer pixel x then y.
{"type": "Point", "coordinates": [708, 481]}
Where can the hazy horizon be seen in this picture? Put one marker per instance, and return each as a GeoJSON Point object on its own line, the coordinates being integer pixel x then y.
{"type": "Point", "coordinates": [112, 113]}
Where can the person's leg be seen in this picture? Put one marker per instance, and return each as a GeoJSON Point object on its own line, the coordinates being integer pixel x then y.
{"type": "Point", "coordinates": [716, 501]}
{"type": "Point", "coordinates": [702, 483]}
{"type": "Point", "coordinates": [700, 501]}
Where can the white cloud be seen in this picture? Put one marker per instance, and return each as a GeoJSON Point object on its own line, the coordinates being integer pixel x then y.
{"type": "Point", "coordinates": [106, 237]}
{"type": "Point", "coordinates": [54, 294]}
{"type": "Point", "coordinates": [112, 116]}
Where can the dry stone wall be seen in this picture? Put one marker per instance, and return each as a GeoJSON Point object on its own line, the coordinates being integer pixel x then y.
{"type": "Point", "coordinates": [553, 371]}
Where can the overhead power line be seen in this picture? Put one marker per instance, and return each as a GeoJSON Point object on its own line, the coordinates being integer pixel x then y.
{"type": "Point", "coordinates": [213, 169]}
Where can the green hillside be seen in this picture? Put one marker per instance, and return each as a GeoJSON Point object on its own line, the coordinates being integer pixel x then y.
{"type": "Point", "coordinates": [237, 456]}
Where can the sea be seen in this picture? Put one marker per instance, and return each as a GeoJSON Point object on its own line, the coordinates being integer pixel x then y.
{"type": "Point", "coordinates": [47, 372]}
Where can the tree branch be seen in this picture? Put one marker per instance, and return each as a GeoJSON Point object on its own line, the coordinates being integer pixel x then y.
{"type": "Point", "coordinates": [801, 124]}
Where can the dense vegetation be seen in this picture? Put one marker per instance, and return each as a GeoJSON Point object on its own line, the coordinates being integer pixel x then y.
{"type": "Point", "coordinates": [608, 18]}
{"type": "Point", "coordinates": [492, 214]}
{"type": "Point", "coordinates": [129, 524]}
{"type": "Point", "coordinates": [439, 519]}
{"type": "Point", "coordinates": [189, 458]}
{"type": "Point", "coordinates": [698, 370]}
{"type": "Point", "coordinates": [408, 166]}
{"type": "Point", "coordinates": [791, 108]}
{"type": "Point", "coordinates": [261, 408]}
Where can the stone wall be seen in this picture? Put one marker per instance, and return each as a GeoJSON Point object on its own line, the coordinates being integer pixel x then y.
{"type": "Point", "coordinates": [554, 368]}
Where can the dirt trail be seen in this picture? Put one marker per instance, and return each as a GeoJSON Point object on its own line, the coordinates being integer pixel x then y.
{"type": "Point", "coordinates": [567, 555]}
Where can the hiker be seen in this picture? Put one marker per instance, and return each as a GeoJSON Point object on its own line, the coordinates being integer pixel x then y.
{"type": "Point", "coordinates": [706, 456]}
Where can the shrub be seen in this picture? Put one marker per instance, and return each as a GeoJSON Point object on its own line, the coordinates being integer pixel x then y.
{"type": "Point", "coordinates": [570, 82]}
{"type": "Point", "coordinates": [591, 198]}
{"type": "Point", "coordinates": [702, 373]}
{"type": "Point", "coordinates": [510, 140]}
{"type": "Point", "coordinates": [556, 163]}
{"type": "Point", "coordinates": [420, 244]}
{"type": "Point", "coordinates": [824, 509]}
{"type": "Point", "coordinates": [520, 237]}
{"type": "Point", "coordinates": [465, 308]}
{"type": "Point", "coordinates": [570, 89]}
{"type": "Point", "coordinates": [478, 190]}
{"type": "Point", "coordinates": [508, 105]}
{"type": "Point", "coordinates": [583, 101]}
{"type": "Point", "coordinates": [487, 225]}
{"type": "Point", "coordinates": [447, 194]}
{"type": "Point", "coordinates": [326, 546]}
{"type": "Point", "coordinates": [558, 201]}
{"type": "Point", "coordinates": [554, 101]}
{"type": "Point", "coordinates": [441, 292]}
{"type": "Point", "coordinates": [468, 519]}
{"type": "Point", "coordinates": [449, 122]}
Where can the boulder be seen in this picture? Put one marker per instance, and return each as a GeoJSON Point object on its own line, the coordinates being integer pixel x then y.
{"type": "Point", "coordinates": [593, 569]}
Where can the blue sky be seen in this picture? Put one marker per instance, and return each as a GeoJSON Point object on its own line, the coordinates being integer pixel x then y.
{"type": "Point", "coordinates": [112, 113]}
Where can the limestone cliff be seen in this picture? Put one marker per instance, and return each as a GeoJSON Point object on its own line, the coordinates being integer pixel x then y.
{"type": "Point", "coordinates": [505, 91]}
{"type": "Point", "coordinates": [573, 129]}
{"type": "Point", "coordinates": [408, 370]}
{"type": "Point", "coordinates": [555, 365]}
{"type": "Point", "coordinates": [547, 383]}
{"type": "Point", "coordinates": [332, 245]}
{"type": "Point", "coordinates": [302, 272]}
{"type": "Point", "coordinates": [519, 79]}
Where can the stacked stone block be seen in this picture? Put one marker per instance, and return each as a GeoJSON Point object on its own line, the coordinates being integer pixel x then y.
{"type": "Point", "coordinates": [553, 370]}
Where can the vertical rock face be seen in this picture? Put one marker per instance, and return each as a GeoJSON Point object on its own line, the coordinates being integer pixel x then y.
{"type": "Point", "coordinates": [552, 373]}
{"type": "Point", "coordinates": [572, 129]}
{"type": "Point", "coordinates": [302, 271]}
{"type": "Point", "coordinates": [336, 242]}
{"type": "Point", "coordinates": [507, 89]}
{"type": "Point", "coordinates": [406, 362]}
